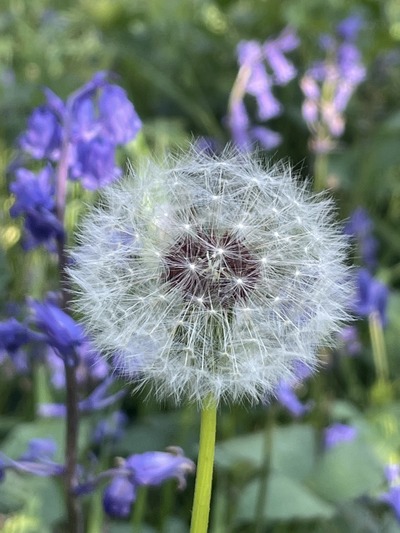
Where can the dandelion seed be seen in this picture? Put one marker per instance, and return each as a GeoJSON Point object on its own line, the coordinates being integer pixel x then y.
{"type": "Point", "coordinates": [221, 299]}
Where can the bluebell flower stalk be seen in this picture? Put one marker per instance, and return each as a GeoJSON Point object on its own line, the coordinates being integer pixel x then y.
{"type": "Point", "coordinates": [255, 79]}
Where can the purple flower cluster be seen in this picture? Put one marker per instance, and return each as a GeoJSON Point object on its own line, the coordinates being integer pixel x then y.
{"type": "Point", "coordinates": [77, 138]}
{"type": "Point", "coordinates": [36, 460]}
{"type": "Point", "coordinates": [146, 469]}
{"type": "Point", "coordinates": [254, 79]}
{"type": "Point", "coordinates": [139, 470]}
{"type": "Point", "coordinates": [329, 84]}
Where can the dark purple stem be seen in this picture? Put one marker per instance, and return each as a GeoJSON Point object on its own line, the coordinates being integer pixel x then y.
{"type": "Point", "coordinates": [74, 512]}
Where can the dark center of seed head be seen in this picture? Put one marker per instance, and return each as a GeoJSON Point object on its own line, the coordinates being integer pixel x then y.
{"type": "Point", "coordinates": [216, 271]}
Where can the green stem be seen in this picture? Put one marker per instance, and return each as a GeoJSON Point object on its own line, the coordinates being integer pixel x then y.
{"type": "Point", "coordinates": [320, 172]}
{"type": "Point", "coordinates": [205, 464]}
{"type": "Point", "coordinates": [265, 468]}
{"type": "Point", "coordinates": [139, 510]}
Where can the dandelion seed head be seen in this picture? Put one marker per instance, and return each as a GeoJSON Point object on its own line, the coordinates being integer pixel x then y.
{"type": "Point", "coordinates": [211, 276]}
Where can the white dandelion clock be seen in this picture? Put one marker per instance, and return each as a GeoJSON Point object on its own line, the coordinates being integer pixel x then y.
{"type": "Point", "coordinates": [210, 276]}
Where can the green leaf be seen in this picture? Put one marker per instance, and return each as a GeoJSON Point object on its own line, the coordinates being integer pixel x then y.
{"type": "Point", "coordinates": [292, 453]}
{"type": "Point", "coordinates": [346, 471]}
{"type": "Point", "coordinates": [286, 499]}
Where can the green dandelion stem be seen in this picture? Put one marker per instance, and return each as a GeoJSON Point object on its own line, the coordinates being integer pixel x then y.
{"type": "Point", "coordinates": [205, 464]}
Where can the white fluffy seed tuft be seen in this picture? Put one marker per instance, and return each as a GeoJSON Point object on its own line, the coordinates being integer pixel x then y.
{"type": "Point", "coordinates": [209, 276]}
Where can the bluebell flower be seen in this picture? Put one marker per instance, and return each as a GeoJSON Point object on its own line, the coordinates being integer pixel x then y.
{"type": "Point", "coordinates": [338, 433]}
{"type": "Point", "coordinates": [36, 460]}
{"type": "Point", "coordinates": [43, 137]}
{"type": "Point", "coordinates": [372, 296]}
{"type": "Point", "coordinates": [255, 79]}
{"type": "Point", "coordinates": [86, 129]}
{"type": "Point", "coordinates": [34, 199]}
{"type": "Point", "coordinates": [39, 449]}
{"type": "Point", "coordinates": [118, 497]}
{"type": "Point", "coordinates": [94, 163]}
{"type": "Point", "coordinates": [60, 330]}
{"type": "Point", "coordinates": [153, 468]}
{"type": "Point", "coordinates": [91, 367]}
{"type": "Point", "coordinates": [111, 428]}
{"type": "Point", "coordinates": [333, 82]}
{"type": "Point", "coordinates": [360, 227]}
{"type": "Point", "coordinates": [287, 397]}
{"type": "Point", "coordinates": [349, 336]}
{"type": "Point", "coordinates": [13, 335]}
{"type": "Point", "coordinates": [120, 122]}
{"type": "Point", "coordinates": [392, 496]}
{"type": "Point", "coordinates": [145, 469]}
{"type": "Point", "coordinates": [349, 28]}
{"type": "Point", "coordinates": [97, 400]}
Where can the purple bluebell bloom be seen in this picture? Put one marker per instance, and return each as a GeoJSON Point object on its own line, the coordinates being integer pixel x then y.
{"type": "Point", "coordinates": [372, 296]}
{"type": "Point", "coordinates": [267, 138]}
{"type": "Point", "coordinates": [286, 396]}
{"type": "Point", "coordinates": [120, 122]}
{"type": "Point", "coordinates": [349, 337]}
{"type": "Point", "coordinates": [338, 433]}
{"type": "Point", "coordinates": [349, 28]}
{"type": "Point", "coordinates": [254, 79]}
{"type": "Point", "coordinates": [39, 449]}
{"type": "Point", "coordinates": [91, 369]}
{"type": "Point", "coordinates": [97, 400]}
{"type": "Point", "coordinates": [61, 331]}
{"type": "Point", "coordinates": [36, 460]}
{"type": "Point", "coordinates": [118, 497]}
{"type": "Point", "coordinates": [153, 468]}
{"type": "Point", "coordinates": [110, 429]}
{"type": "Point", "coordinates": [94, 163]}
{"type": "Point", "coordinates": [13, 335]}
{"type": "Point", "coordinates": [360, 227]}
{"type": "Point", "coordinates": [43, 137]}
{"type": "Point", "coordinates": [86, 129]}
{"type": "Point", "coordinates": [328, 85]}
{"type": "Point", "coordinates": [392, 496]}
{"type": "Point", "coordinates": [34, 198]}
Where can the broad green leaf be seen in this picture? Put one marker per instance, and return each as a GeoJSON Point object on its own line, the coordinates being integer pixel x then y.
{"type": "Point", "coordinates": [286, 500]}
{"type": "Point", "coordinates": [347, 471]}
{"type": "Point", "coordinates": [292, 452]}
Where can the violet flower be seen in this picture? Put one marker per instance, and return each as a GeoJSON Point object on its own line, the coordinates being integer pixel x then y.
{"type": "Point", "coordinates": [349, 337]}
{"type": "Point", "coordinates": [146, 469]}
{"type": "Point", "coordinates": [118, 497]}
{"type": "Point", "coordinates": [80, 136]}
{"type": "Point", "coordinates": [111, 428]}
{"type": "Point", "coordinates": [338, 433]}
{"type": "Point", "coordinates": [90, 369]}
{"type": "Point", "coordinates": [360, 227]}
{"type": "Point", "coordinates": [392, 496]}
{"type": "Point", "coordinates": [36, 460]}
{"type": "Point", "coordinates": [286, 395]}
{"type": "Point", "coordinates": [34, 198]}
{"type": "Point", "coordinates": [60, 330]}
{"type": "Point", "coordinates": [372, 296]}
{"type": "Point", "coordinates": [261, 66]}
{"type": "Point", "coordinates": [329, 84]}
